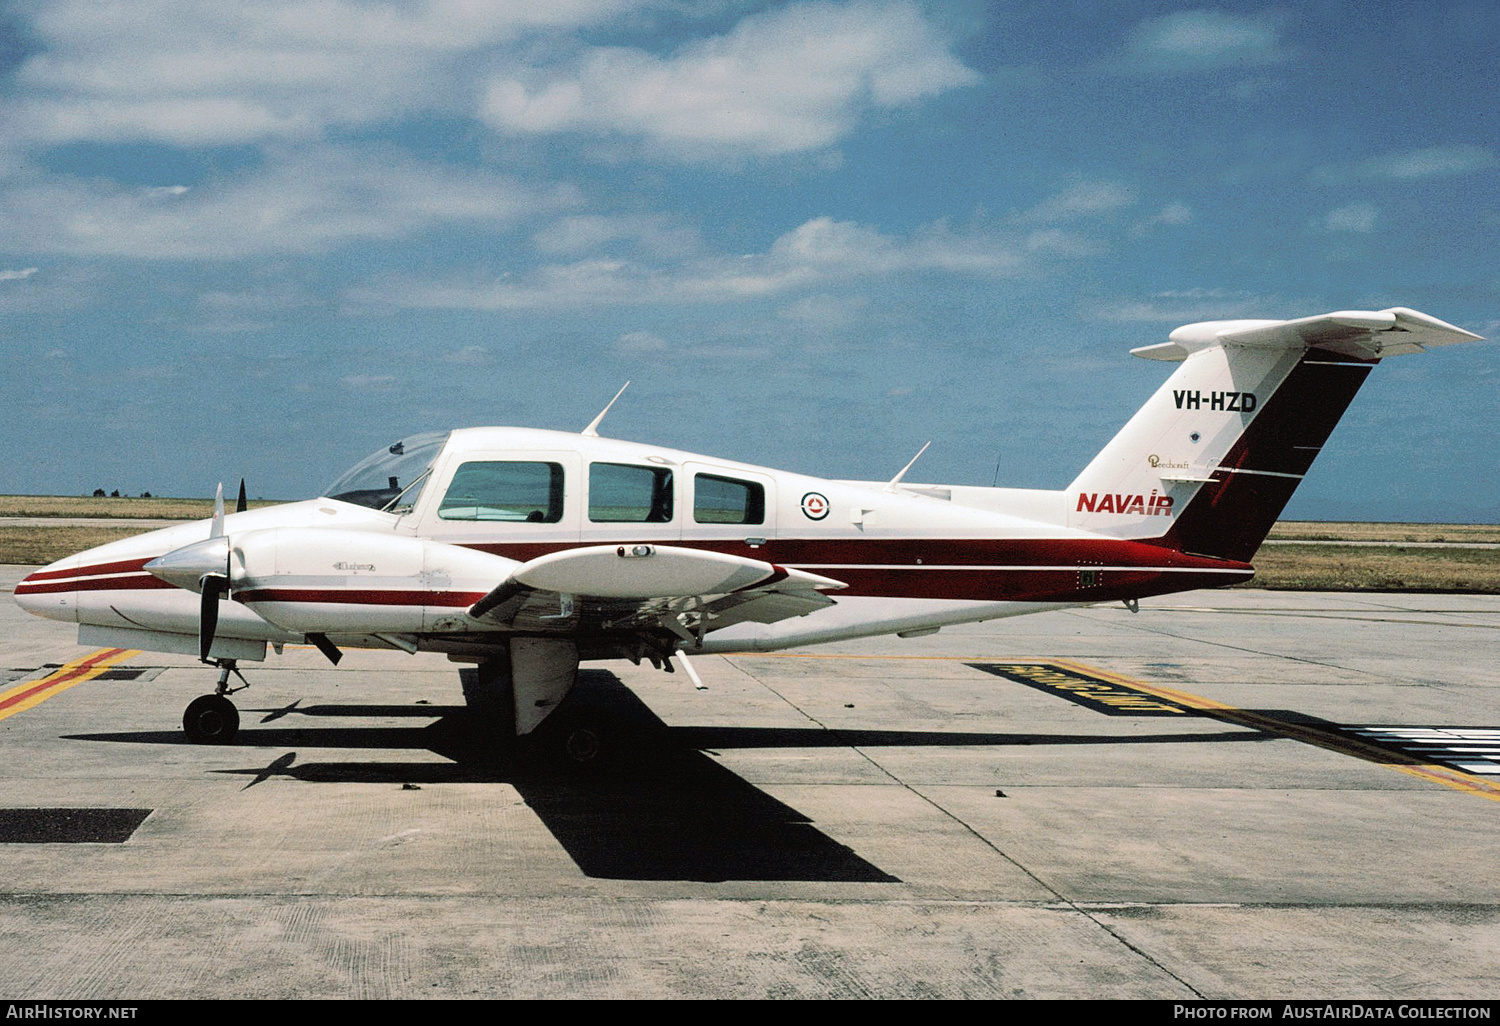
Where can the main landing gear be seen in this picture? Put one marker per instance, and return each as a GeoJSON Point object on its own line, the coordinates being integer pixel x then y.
{"type": "Point", "coordinates": [213, 719]}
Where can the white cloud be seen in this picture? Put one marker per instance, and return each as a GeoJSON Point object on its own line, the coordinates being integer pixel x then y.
{"type": "Point", "coordinates": [825, 311]}
{"type": "Point", "coordinates": [469, 356]}
{"type": "Point", "coordinates": [1060, 243]}
{"type": "Point", "coordinates": [640, 342]}
{"type": "Point", "coordinates": [1352, 217]}
{"type": "Point", "coordinates": [582, 233]}
{"type": "Point", "coordinates": [297, 203]}
{"type": "Point", "coordinates": [1190, 41]}
{"type": "Point", "coordinates": [221, 311]}
{"type": "Point", "coordinates": [1186, 306]}
{"type": "Point", "coordinates": [818, 253]}
{"type": "Point", "coordinates": [1078, 201]}
{"type": "Point", "coordinates": [793, 79]}
{"type": "Point", "coordinates": [1173, 215]}
{"type": "Point", "coordinates": [1429, 162]}
{"type": "Point", "coordinates": [21, 275]}
{"type": "Point", "coordinates": [190, 73]}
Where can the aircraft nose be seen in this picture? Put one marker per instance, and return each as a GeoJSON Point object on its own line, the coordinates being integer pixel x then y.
{"type": "Point", "coordinates": [51, 592]}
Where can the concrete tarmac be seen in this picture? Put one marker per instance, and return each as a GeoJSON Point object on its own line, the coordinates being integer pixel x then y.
{"type": "Point", "coordinates": [1227, 795]}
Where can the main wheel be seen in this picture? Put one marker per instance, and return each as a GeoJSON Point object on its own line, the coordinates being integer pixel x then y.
{"type": "Point", "coordinates": [582, 745]}
{"type": "Point", "coordinates": [211, 720]}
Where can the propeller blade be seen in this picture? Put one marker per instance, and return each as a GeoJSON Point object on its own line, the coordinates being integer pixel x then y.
{"type": "Point", "coordinates": [216, 529]}
{"type": "Point", "coordinates": [242, 503]}
{"type": "Point", "coordinates": [208, 614]}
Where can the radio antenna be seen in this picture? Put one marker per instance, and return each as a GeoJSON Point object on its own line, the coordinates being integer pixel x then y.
{"type": "Point", "coordinates": [592, 431]}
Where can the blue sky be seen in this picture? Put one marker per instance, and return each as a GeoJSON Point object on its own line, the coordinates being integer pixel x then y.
{"type": "Point", "coordinates": [265, 238]}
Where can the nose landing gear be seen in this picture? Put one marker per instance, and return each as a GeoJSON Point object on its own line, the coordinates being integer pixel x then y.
{"type": "Point", "coordinates": [213, 719]}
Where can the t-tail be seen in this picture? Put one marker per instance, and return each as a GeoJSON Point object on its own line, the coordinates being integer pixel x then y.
{"type": "Point", "coordinates": [1208, 464]}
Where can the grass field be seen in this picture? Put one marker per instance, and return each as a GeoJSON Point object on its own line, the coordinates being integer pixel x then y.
{"type": "Point", "coordinates": [1317, 530]}
{"type": "Point", "coordinates": [120, 509]}
{"type": "Point", "coordinates": [1334, 567]}
{"type": "Point", "coordinates": [42, 545]}
{"type": "Point", "coordinates": [1326, 566]}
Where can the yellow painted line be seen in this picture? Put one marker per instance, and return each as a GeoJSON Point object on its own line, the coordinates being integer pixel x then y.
{"type": "Point", "coordinates": [840, 655]}
{"type": "Point", "coordinates": [31, 693]}
{"type": "Point", "coordinates": [1445, 775]}
{"type": "Point", "coordinates": [1344, 745]}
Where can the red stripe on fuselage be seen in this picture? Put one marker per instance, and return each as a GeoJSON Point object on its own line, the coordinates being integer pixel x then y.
{"type": "Point", "coordinates": [135, 583]}
{"type": "Point", "coordinates": [963, 568]}
{"type": "Point", "coordinates": [361, 597]}
{"type": "Point", "coordinates": [124, 566]}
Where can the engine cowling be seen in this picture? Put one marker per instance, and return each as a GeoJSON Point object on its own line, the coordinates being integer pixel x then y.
{"type": "Point", "coordinates": [315, 580]}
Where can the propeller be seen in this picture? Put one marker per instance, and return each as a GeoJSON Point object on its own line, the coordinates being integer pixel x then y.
{"type": "Point", "coordinates": [214, 585]}
{"type": "Point", "coordinates": [214, 588]}
{"type": "Point", "coordinates": [202, 567]}
{"type": "Point", "coordinates": [242, 503]}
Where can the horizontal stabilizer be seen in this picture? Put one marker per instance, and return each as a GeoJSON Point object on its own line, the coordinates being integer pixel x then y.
{"type": "Point", "coordinates": [1359, 334]}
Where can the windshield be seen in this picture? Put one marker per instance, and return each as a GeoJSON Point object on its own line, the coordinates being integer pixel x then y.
{"type": "Point", "coordinates": [391, 478]}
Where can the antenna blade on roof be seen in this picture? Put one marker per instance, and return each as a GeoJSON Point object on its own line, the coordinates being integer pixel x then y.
{"type": "Point", "coordinates": [592, 431]}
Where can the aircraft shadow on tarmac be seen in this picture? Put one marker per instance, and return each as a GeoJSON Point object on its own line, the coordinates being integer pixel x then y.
{"type": "Point", "coordinates": [663, 809]}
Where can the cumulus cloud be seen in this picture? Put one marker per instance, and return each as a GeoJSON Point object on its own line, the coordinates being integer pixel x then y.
{"type": "Point", "coordinates": [1078, 201]}
{"type": "Point", "coordinates": [792, 79]}
{"type": "Point", "coordinates": [1352, 217]}
{"type": "Point", "coordinates": [297, 203]}
{"type": "Point", "coordinates": [1186, 306]}
{"type": "Point", "coordinates": [224, 311]}
{"type": "Point", "coordinates": [189, 73]}
{"type": "Point", "coordinates": [469, 356]}
{"type": "Point", "coordinates": [640, 342]}
{"type": "Point", "coordinates": [1204, 40]}
{"type": "Point", "coordinates": [818, 253]}
{"type": "Point", "coordinates": [583, 233]}
{"type": "Point", "coordinates": [825, 311]}
{"type": "Point", "coordinates": [1408, 165]}
{"type": "Point", "coordinates": [370, 382]}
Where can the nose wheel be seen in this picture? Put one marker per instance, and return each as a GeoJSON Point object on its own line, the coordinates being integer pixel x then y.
{"type": "Point", "coordinates": [213, 719]}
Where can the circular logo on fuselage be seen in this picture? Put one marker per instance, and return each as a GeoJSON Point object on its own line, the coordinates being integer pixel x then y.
{"type": "Point", "coordinates": [814, 506]}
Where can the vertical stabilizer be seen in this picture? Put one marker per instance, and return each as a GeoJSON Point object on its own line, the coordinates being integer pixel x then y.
{"type": "Point", "coordinates": [1208, 464]}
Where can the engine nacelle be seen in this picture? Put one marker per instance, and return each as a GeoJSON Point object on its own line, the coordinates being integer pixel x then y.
{"type": "Point", "coordinates": [315, 580]}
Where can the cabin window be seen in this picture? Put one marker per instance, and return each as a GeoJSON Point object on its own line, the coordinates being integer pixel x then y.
{"type": "Point", "coordinates": [625, 493]}
{"type": "Point", "coordinates": [514, 491]}
{"type": "Point", "coordinates": [725, 500]}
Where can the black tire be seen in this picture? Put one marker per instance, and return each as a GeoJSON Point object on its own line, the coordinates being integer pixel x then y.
{"type": "Point", "coordinates": [211, 720]}
{"type": "Point", "coordinates": [582, 745]}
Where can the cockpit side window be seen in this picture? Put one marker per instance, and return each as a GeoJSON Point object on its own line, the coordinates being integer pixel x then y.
{"type": "Point", "coordinates": [626, 493]}
{"type": "Point", "coordinates": [517, 491]}
{"type": "Point", "coordinates": [391, 478]}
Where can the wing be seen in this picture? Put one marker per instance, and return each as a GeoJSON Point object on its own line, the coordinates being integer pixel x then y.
{"type": "Point", "coordinates": [686, 592]}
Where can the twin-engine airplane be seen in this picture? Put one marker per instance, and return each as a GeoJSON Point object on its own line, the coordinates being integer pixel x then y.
{"type": "Point", "coordinates": [526, 552]}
